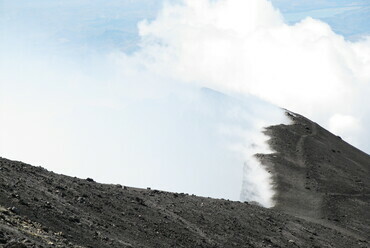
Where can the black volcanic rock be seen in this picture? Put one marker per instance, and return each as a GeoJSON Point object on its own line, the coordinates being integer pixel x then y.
{"type": "Point", "coordinates": [320, 177]}
{"type": "Point", "coordinates": [322, 201]}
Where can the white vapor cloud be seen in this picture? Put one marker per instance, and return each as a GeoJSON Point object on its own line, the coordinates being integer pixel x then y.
{"type": "Point", "coordinates": [245, 46]}
{"type": "Point", "coordinates": [184, 111]}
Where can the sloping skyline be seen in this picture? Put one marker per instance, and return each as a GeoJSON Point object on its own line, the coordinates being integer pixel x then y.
{"type": "Point", "coordinates": [151, 95]}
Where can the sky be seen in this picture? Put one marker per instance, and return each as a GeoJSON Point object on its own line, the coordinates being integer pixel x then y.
{"type": "Point", "coordinates": [174, 94]}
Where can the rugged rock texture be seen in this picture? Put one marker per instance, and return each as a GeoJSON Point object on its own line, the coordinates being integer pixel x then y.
{"type": "Point", "coordinates": [320, 177]}
{"type": "Point", "coordinates": [322, 201]}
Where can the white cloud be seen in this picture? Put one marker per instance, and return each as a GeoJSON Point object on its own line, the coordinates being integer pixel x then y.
{"type": "Point", "coordinates": [245, 46]}
{"type": "Point", "coordinates": [132, 119]}
{"type": "Point", "coordinates": [348, 126]}
{"type": "Point", "coordinates": [118, 122]}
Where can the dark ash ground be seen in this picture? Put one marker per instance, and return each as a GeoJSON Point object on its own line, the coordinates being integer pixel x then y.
{"type": "Point", "coordinates": [323, 200]}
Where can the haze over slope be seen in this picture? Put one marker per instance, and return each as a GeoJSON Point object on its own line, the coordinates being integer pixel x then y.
{"type": "Point", "coordinates": [83, 87]}
{"type": "Point", "coordinates": [321, 204]}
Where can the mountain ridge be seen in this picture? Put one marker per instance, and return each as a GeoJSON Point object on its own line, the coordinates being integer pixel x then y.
{"type": "Point", "coordinates": [39, 208]}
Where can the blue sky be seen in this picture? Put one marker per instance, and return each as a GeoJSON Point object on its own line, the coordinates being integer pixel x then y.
{"type": "Point", "coordinates": [98, 25]}
{"type": "Point", "coordinates": [348, 18]}
{"type": "Point", "coordinates": [173, 95]}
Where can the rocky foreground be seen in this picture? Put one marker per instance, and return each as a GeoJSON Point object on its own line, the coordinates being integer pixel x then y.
{"type": "Point", "coordinates": [323, 200]}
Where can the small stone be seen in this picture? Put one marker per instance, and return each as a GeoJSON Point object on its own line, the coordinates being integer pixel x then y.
{"type": "Point", "coordinates": [47, 205]}
{"type": "Point", "coordinates": [60, 187]}
{"type": "Point", "coordinates": [15, 195]}
{"type": "Point", "coordinates": [74, 219]}
{"type": "Point", "coordinates": [21, 201]}
{"type": "Point", "coordinates": [60, 234]}
{"type": "Point", "coordinates": [140, 201]}
{"type": "Point", "coordinates": [14, 210]}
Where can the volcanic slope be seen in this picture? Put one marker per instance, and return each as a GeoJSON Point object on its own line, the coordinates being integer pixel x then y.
{"type": "Point", "coordinates": [320, 177]}
{"type": "Point", "coordinates": [322, 201]}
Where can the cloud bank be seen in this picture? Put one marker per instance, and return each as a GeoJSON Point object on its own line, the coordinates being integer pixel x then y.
{"type": "Point", "coordinates": [184, 111]}
{"type": "Point", "coordinates": [246, 47]}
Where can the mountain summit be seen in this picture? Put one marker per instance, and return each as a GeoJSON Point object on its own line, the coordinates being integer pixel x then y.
{"type": "Point", "coordinates": [322, 200]}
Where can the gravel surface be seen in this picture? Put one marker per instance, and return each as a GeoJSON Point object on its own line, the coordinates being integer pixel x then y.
{"type": "Point", "coordinates": [322, 201]}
